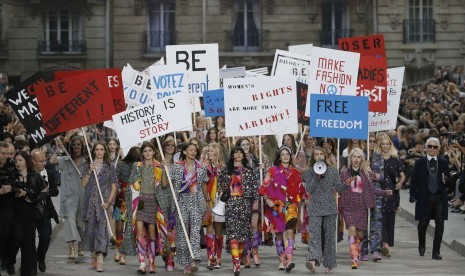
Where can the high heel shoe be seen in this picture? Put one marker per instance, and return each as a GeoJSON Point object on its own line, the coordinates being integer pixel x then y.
{"type": "Point", "coordinates": [71, 255]}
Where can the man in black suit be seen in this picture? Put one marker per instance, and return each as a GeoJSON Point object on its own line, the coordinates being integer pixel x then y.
{"type": "Point", "coordinates": [428, 186]}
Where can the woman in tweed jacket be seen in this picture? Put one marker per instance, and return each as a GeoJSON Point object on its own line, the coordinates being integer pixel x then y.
{"type": "Point", "coordinates": [189, 178]}
{"type": "Point", "coordinates": [322, 210]}
{"type": "Point", "coordinates": [357, 199]}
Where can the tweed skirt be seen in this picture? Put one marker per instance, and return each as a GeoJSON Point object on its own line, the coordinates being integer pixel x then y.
{"type": "Point", "coordinates": [149, 208]}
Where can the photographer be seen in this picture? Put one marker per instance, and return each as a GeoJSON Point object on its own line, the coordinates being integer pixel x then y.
{"type": "Point", "coordinates": [6, 201]}
{"type": "Point", "coordinates": [29, 189]}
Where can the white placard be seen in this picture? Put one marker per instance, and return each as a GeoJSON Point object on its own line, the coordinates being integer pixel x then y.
{"type": "Point", "coordinates": [153, 119]}
{"type": "Point", "coordinates": [303, 49]}
{"type": "Point", "coordinates": [201, 61]}
{"type": "Point", "coordinates": [260, 106]}
{"type": "Point", "coordinates": [291, 64]}
{"type": "Point", "coordinates": [378, 121]}
{"type": "Point", "coordinates": [332, 72]}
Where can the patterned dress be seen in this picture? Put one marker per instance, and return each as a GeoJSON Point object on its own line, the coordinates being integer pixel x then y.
{"type": "Point", "coordinates": [285, 189]}
{"type": "Point", "coordinates": [192, 207]}
{"type": "Point", "coordinates": [243, 187]}
{"type": "Point", "coordinates": [96, 238]}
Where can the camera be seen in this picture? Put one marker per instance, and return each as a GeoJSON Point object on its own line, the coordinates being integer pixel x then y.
{"type": "Point", "coordinates": [11, 176]}
{"type": "Point", "coordinates": [455, 138]}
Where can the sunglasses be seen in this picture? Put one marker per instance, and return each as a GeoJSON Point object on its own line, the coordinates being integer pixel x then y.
{"type": "Point", "coordinates": [432, 147]}
{"type": "Point", "coordinates": [76, 145]}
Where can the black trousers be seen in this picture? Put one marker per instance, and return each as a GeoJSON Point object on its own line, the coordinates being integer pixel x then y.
{"type": "Point", "coordinates": [6, 222]}
{"type": "Point", "coordinates": [23, 236]}
{"type": "Point", "coordinates": [435, 206]}
{"type": "Point", "coordinates": [44, 229]}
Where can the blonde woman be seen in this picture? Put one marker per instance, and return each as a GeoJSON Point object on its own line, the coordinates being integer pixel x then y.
{"type": "Point", "coordinates": [393, 179]}
{"type": "Point", "coordinates": [357, 199]}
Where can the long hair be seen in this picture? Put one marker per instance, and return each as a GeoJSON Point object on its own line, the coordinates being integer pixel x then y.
{"type": "Point", "coordinates": [277, 160]}
{"type": "Point", "coordinates": [219, 160]}
{"type": "Point", "coordinates": [230, 165]}
{"type": "Point", "coordinates": [293, 144]}
{"type": "Point", "coordinates": [169, 141]}
{"type": "Point", "coordinates": [312, 160]}
{"type": "Point", "coordinates": [364, 168]}
{"type": "Point", "coordinates": [351, 145]}
{"type": "Point", "coordinates": [208, 139]}
{"type": "Point", "coordinates": [83, 146]}
{"type": "Point", "coordinates": [182, 156]}
{"type": "Point", "coordinates": [148, 145]}
{"type": "Point", "coordinates": [27, 158]}
{"type": "Point", "coordinates": [116, 141]}
{"type": "Point", "coordinates": [106, 159]}
{"type": "Point", "coordinates": [392, 149]}
{"type": "Point", "coordinates": [238, 144]}
{"type": "Point", "coordinates": [332, 143]}
{"type": "Point", "coordinates": [132, 156]}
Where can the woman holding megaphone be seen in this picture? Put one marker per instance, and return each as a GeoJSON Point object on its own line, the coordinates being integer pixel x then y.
{"type": "Point", "coordinates": [321, 182]}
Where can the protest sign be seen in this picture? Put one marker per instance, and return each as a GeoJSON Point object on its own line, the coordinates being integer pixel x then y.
{"type": "Point", "coordinates": [303, 49]}
{"type": "Point", "coordinates": [201, 62]}
{"type": "Point", "coordinates": [232, 72]}
{"type": "Point", "coordinates": [372, 45]}
{"type": "Point", "coordinates": [137, 87]}
{"type": "Point", "coordinates": [75, 101]}
{"type": "Point", "coordinates": [332, 72]}
{"type": "Point", "coordinates": [336, 116]}
{"type": "Point", "coordinates": [371, 82]}
{"type": "Point", "coordinates": [260, 106]}
{"type": "Point", "coordinates": [115, 84]}
{"type": "Point", "coordinates": [153, 119]}
{"type": "Point", "coordinates": [23, 101]}
{"type": "Point", "coordinates": [378, 121]}
{"type": "Point", "coordinates": [214, 102]}
{"type": "Point", "coordinates": [291, 64]}
{"type": "Point", "coordinates": [168, 80]}
{"type": "Point", "coordinates": [302, 90]}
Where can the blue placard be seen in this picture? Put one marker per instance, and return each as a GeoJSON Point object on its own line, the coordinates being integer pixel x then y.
{"type": "Point", "coordinates": [213, 101]}
{"type": "Point", "coordinates": [336, 116]}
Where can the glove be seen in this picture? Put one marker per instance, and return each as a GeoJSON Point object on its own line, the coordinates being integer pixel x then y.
{"type": "Point", "coordinates": [412, 199]}
{"type": "Point", "coordinates": [171, 220]}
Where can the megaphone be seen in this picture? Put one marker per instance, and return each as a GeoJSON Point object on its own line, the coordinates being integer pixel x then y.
{"type": "Point", "coordinates": [219, 208]}
{"type": "Point", "coordinates": [320, 167]}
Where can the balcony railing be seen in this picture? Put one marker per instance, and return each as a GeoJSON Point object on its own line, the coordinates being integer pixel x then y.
{"type": "Point", "coordinates": [157, 41]}
{"type": "Point", "coordinates": [329, 38]}
{"type": "Point", "coordinates": [419, 31]}
{"type": "Point", "coordinates": [63, 47]}
{"type": "Point", "coordinates": [251, 40]}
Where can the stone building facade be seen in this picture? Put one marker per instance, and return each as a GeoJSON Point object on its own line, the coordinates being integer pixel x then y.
{"type": "Point", "coordinates": [84, 34]}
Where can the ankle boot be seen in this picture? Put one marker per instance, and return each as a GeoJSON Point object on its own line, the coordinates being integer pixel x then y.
{"type": "Point", "coordinates": [211, 251]}
{"type": "Point", "coordinates": [99, 266]}
{"type": "Point", "coordinates": [71, 251]}
{"type": "Point", "coordinates": [93, 260]}
{"type": "Point", "coordinates": [80, 251]}
{"type": "Point", "coordinates": [244, 249]}
{"type": "Point", "coordinates": [235, 252]}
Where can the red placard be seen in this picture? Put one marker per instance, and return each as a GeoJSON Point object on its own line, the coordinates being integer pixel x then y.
{"type": "Point", "coordinates": [372, 45]}
{"type": "Point", "coordinates": [115, 84]}
{"type": "Point", "coordinates": [75, 101]}
{"type": "Point", "coordinates": [372, 82]}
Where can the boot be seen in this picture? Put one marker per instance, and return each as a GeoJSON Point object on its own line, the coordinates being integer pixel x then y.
{"type": "Point", "coordinates": [289, 253]}
{"type": "Point", "coordinates": [353, 246]}
{"type": "Point", "coordinates": [255, 244]}
{"type": "Point", "coordinates": [169, 262]}
{"type": "Point", "coordinates": [99, 266]}
{"type": "Point", "coordinates": [152, 254]}
{"type": "Point", "coordinates": [80, 251]}
{"type": "Point", "coordinates": [142, 252]}
{"type": "Point", "coordinates": [245, 255]}
{"type": "Point", "coordinates": [363, 255]}
{"type": "Point", "coordinates": [235, 252]}
{"type": "Point", "coordinates": [211, 251]}
{"type": "Point", "coordinates": [93, 260]}
{"type": "Point", "coordinates": [71, 251]}
{"type": "Point", "coordinates": [281, 253]}
{"type": "Point", "coordinates": [219, 250]}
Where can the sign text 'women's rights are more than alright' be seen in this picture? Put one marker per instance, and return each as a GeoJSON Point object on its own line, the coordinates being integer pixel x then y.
{"type": "Point", "coordinates": [153, 119]}
{"type": "Point", "coordinates": [201, 62]}
{"type": "Point", "coordinates": [332, 72]}
{"type": "Point", "coordinates": [338, 116]}
{"type": "Point", "coordinates": [260, 105]}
